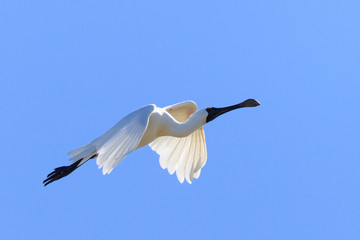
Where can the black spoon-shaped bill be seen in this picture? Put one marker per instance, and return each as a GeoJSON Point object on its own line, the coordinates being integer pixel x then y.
{"type": "Point", "coordinates": [215, 112]}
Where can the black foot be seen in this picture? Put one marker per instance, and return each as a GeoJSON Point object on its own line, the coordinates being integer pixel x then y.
{"type": "Point", "coordinates": [61, 172]}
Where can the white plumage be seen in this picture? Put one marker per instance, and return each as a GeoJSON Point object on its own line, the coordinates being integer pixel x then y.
{"type": "Point", "coordinates": [185, 154]}
{"type": "Point", "coordinates": [175, 132]}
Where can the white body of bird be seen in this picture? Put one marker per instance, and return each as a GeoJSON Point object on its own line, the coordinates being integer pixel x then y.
{"type": "Point", "coordinates": [176, 129]}
{"type": "Point", "coordinates": [174, 132]}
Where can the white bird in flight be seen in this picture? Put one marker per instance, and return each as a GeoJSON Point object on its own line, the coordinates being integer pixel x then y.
{"type": "Point", "coordinates": [175, 132]}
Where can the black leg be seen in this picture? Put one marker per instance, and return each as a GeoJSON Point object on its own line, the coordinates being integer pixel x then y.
{"type": "Point", "coordinates": [61, 172]}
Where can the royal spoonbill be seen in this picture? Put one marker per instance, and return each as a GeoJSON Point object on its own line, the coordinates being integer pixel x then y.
{"type": "Point", "coordinates": [175, 132]}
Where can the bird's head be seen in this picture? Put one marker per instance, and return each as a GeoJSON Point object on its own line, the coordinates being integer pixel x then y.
{"type": "Point", "coordinates": [215, 112]}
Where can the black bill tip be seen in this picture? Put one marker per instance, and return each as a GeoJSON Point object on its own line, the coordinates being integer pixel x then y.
{"type": "Point", "coordinates": [251, 103]}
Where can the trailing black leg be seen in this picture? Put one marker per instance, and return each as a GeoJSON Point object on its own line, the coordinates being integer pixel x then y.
{"type": "Point", "coordinates": [61, 172]}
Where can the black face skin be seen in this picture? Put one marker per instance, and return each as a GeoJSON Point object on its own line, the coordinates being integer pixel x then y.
{"type": "Point", "coordinates": [212, 114]}
{"type": "Point", "coordinates": [215, 112]}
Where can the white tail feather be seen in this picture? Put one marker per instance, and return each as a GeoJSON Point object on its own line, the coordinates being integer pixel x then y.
{"type": "Point", "coordinates": [85, 152]}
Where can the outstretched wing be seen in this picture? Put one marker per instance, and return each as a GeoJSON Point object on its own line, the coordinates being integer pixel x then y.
{"type": "Point", "coordinates": [181, 111]}
{"type": "Point", "coordinates": [185, 155]}
{"type": "Point", "coordinates": [112, 147]}
{"type": "Point", "coordinates": [123, 138]}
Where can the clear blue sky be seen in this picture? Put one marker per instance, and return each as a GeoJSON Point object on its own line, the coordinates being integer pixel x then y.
{"type": "Point", "coordinates": [289, 169]}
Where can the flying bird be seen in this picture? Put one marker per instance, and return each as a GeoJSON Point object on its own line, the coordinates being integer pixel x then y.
{"type": "Point", "coordinates": [174, 132]}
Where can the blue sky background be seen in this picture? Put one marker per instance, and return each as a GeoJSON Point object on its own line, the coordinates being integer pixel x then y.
{"type": "Point", "coordinates": [289, 169]}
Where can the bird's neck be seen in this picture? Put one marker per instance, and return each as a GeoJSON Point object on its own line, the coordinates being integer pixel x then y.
{"type": "Point", "coordinates": [178, 129]}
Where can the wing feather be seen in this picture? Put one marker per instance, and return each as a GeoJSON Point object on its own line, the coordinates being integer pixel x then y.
{"type": "Point", "coordinates": [185, 155]}
{"type": "Point", "coordinates": [185, 158]}
{"type": "Point", "coordinates": [181, 161]}
{"type": "Point", "coordinates": [166, 150]}
{"type": "Point", "coordinates": [175, 156]}
{"type": "Point", "coordinates": [203, 155]}
{"type": "Point", "coordinates": [122, 139]}
{"type": "Point", "coordinates": [181, 111]}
